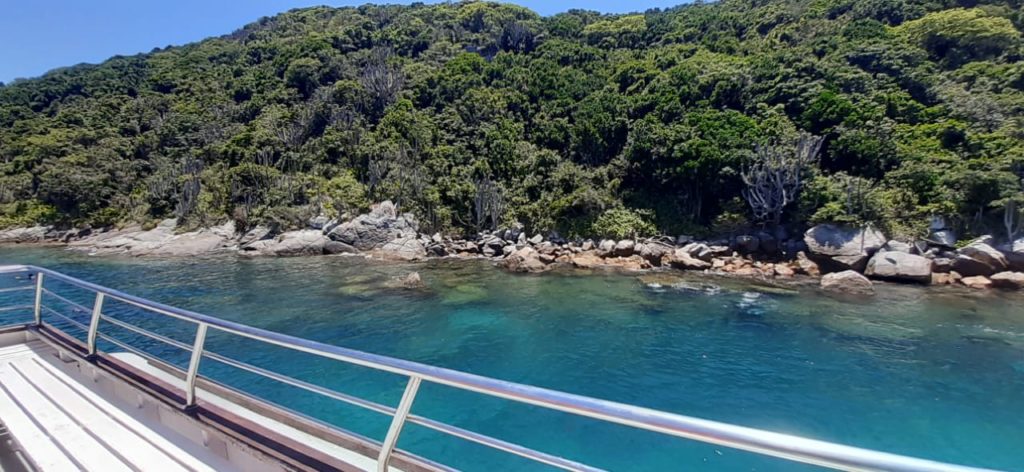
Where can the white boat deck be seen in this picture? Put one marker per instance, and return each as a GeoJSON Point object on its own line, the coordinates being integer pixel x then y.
{"type": "Point", "coordinates": [61, 425]}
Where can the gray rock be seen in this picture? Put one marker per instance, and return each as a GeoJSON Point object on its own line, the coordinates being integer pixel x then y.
{"type": "Point", "coordinates": [699, 251]}
{"type": "Point", "coordinates": [654, 251]}
{"type": "Point", "coordinates": [900, 266]}
{"type": "Point", "coordinates": [35, 234]}
{"type": "Point", "coordinates": [375, 229]}
{"type": "Point", "coordinates": [606, 247]}
{"type": "Point", "coordinates": [683, 239]}
{"type": "Point", "coordinates": [1014, 253]}
{"type": "Point", "coordinates": [983, 239]}
{"type": "Point", "coordinates": [624, 248]}
{"type": "Point", "coordinates": [412, 281]}
{"type": "Point", "coordinates": [944, 238]}
{"type": "Point", "coordinates": [318, 222]}
{"type": "Point", "coordinates": [978, 258]}
{"type": "Point", "coordinates": [297, 243]}
{"type": "Point", "coordinates": [1008, 280]}
{"type": "Point", "coordinates": [536, 239]}
{"type": "Point", "coordinates": [256, 234]}
{"type": "Point", "coordinates": [683, 259]}
{"type": "Point", "coordinates": [897, 246]}
{"type": "Point", "coordinates": [526, 259]}
{"type": "Point", "coordinates": [338, 247]}
{"type": "Point", "coordinates": [437, 250]}
{"type": "Point", "coordinates": [847, 281]}
{"type": "Point", "coordinates": [838, 248]}
{"type": "Point", "coordinates": [405, 248]}
{"type": "Point", "coordinates": [942, 265]}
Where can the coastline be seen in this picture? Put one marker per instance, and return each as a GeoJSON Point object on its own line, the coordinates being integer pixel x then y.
{"type": "Point", "coordinates": [837, 259]}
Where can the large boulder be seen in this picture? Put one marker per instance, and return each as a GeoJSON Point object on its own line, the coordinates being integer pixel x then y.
{"type": "Point", "coordinates": [404, 248]}
{"type": "Point", "coordinates": [837, 248]}
{"type": "Point", "coordinates": [654, 251]}
{"type": "Point", "coordinates": [35, 234]}
{"type": "Point", "coordinates": [699, 251]}
{"type": "Point", "coordinates": [258, 233]}
{"type": "Point", "coordinates": [606, 247]}
{"type": "Point", "coordinates": [293, 243]}
{"type": "Point", "coordinates": [162, 240]}
{"type": "Point", "coordinates": [526, 259]}
{"type": "Point", "coordinates": [375, 229]}
{"type": "Point", "coordinates": [1014, 253]}
{"type": "Point", "coordinates": [900, 266]}
{"type": "Point", "coordinates": [1009, 280]}
{"type": "Point", "coordinates": [682, 259]}
{"type": "Point", "coordinates": [847, 281]}
{"type": "Point", "coordinates": [624, 248]}
{"type": "Point", "coordinates": [979, 258]}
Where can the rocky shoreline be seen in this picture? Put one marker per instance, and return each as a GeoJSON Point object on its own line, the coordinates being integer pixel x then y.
{"type": "Point", "coordinates": [845, 259]}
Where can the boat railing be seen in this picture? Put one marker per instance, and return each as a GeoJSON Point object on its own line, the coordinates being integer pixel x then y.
{"type": "Point", "coordinates": [789, 447]}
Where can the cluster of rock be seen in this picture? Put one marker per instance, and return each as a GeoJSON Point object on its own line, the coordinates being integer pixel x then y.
{"type": "Point", "coordinates": [537, 255]}
{"type": "Point", "coordinates": [381, 232]}
{"type": "Point", "coordinates": [848, 257]}
{"type": "Point", "coordinates": [853, 256]}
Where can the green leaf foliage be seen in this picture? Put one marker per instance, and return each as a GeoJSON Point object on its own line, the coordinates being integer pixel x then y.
{"type": "Point", "coordinates": [578, 119]}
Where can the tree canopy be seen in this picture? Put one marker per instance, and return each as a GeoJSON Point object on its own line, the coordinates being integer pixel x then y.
{"type": "Point", "coordinates": [476, 114]}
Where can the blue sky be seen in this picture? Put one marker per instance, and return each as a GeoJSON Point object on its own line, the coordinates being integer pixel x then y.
{"type": "Point", "coordinates": [39, 35]}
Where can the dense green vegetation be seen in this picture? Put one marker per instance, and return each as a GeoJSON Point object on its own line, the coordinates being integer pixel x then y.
{"type": "Point", "coordinates": [474, 114]}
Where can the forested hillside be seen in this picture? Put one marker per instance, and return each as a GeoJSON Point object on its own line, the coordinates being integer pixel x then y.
{"type": "Point", "coordinates": [475, 114]}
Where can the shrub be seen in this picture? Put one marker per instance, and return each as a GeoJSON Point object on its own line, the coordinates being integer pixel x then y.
{"type": "Point", "coordinates": [623, 223]}
{"type": "Point", "coordinates": [26, 213]}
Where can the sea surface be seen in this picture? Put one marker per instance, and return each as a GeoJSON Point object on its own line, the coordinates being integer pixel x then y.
{"type": "Point", "coordinates": [935, 373]}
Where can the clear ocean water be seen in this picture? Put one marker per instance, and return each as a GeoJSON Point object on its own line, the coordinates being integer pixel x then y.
{"type": "Point", "coordinates": [925, 372]}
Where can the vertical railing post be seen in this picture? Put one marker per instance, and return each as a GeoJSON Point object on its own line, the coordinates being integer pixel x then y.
{"type": "Point", "coordinates": [401, 413]}
{"type": "Point", "coordinates": [94, 324]}
{"type": "Point", "coordinates": [193, 366]}
{"type": "Point", "coordinates": [37, 307]}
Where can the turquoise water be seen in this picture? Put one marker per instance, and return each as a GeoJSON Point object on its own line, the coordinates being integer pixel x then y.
{"type": "Point", "coordinates": [924, 372]}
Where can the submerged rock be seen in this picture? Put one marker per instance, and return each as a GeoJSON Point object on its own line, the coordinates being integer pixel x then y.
{"type": "Point", "coordinates": [847, 281]}
{"type": "Point", "coordinates": [412, 281]}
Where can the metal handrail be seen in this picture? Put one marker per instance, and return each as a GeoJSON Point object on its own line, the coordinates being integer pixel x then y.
{"type": "Point", "coordinates": [768, 443]}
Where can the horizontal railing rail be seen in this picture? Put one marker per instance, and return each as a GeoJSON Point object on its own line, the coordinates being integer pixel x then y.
{"type": "Point", "coordinates": [768, 443]}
